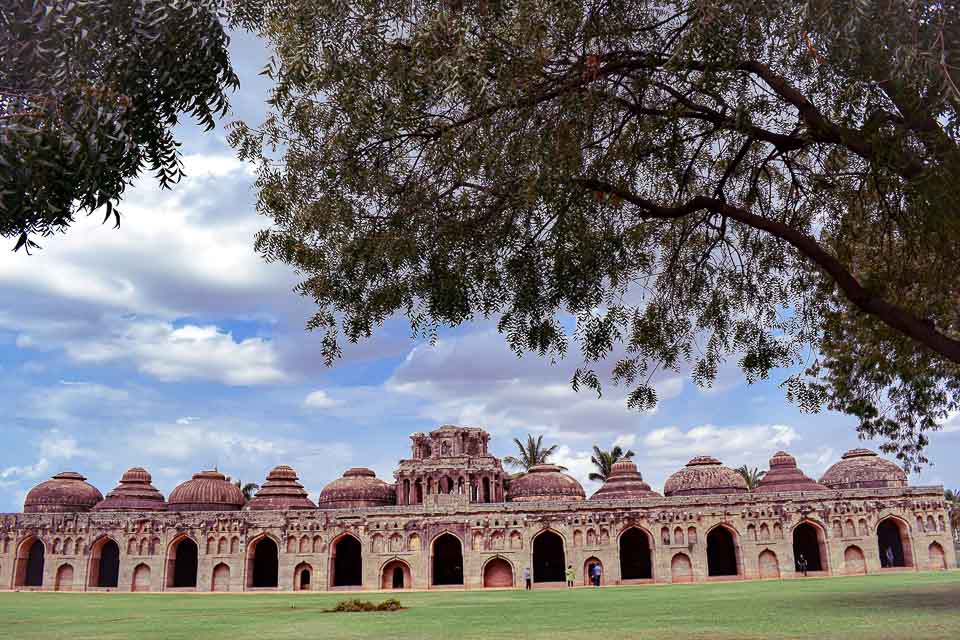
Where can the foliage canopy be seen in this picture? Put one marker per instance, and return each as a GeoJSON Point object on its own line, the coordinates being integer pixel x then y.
{"type": "Point", "coordinates": [691, 182]}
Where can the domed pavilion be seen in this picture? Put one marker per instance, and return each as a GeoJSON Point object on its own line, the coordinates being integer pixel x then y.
{"type": "Point", "coordinates": [863, 469]}
{"type": "Point", "coordinates": [784, 475]}
{"type": "Point", "coordinates": [134, 493]}
{"type": "Point", "coordinates": [66, 492]}
{"type": "Point", "coordinates": [206, 491]}
{"type": "Point", "coordinates": [545, 482]}
{"type": "Point", "coordinates": [703, 476]}
{"type": "Point", "coordinates": [359, 487]}
{"type": "Point", "coordinates": [624, 483]}
{"type": "Point", "coordinates": [282, 490]}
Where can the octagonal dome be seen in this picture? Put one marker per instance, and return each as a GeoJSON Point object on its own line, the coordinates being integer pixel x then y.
{"type": "Point", "coordinates": [282, 490]}
{"type": "Point", "coordinates": [359, 487]}
{"type": "Point", "coordinates": [624, 483]}
{"type": "Point", "coordinates": [863, 469]}
{"type": "Point", "coordinates": [66, 492]}
{"type": "Point", "coordinates": [206, 491]}
{"type": "Point", "coordinates": [784, 475]}
{"type": "Point", "coordinates": [134, 493]}
{"type": "Point", "coordinates": [704, 475]}
{"type": "Point", "coordinates": [545, 482]}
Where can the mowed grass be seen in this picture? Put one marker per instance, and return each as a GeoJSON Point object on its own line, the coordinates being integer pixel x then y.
{"type": "Point", "coordinates": [904, 605]}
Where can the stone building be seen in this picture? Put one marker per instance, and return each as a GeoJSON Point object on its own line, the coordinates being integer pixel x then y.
{"type": "Point", "coordinates": [450, 519]}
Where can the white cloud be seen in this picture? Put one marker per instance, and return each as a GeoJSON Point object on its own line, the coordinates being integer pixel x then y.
{"type": "Point", "coordinates": [319, 400]}
{"type": "Point", "coordinates": [952, 423]}
{"type": "Point", "coordinates": [744, 441]}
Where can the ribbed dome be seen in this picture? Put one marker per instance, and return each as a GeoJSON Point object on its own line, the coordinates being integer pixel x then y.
{"type": "Point", "coordinates": [624, 483]}
{"type": "Point", "coordinates": [66, 492]}
{"type": "Point", "coordinates": [359, 487]}
{"type": "Point", "coordinates": [281, 491]}
{"type": "Point", "coordinates": [206, 491]}
{"type": "Point", "coordinates": [784, 475]}
{"type": "Point", "coordinates": [134, 493]}
{"type": "Point", "coordinates": [863, 469]}
{"type": "Point", "coordinates": [545, 482]}
{"type": "Point", "coordinates": [704, 475]}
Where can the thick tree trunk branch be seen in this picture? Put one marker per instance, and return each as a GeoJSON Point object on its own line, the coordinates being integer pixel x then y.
{"type": "Point", "coordinates": [891, 315]}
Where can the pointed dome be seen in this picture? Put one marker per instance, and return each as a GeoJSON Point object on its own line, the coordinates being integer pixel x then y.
{"type": "Point", "coordinates": [282, 490]}
{"type": "Point", "coordinates": [66, 492]}
{"type": "Point", "coordinates": [359, 487]}
{"type": "Point", "coordinates": [784, 475]}
{"type": "Point", "coordinates": [863, 469]}
{"type": "Point", "coordinates": [134, 493]}
{"type": "Point", "coordinates": [704, 475]}
{"type": "Point", "coordinates": [624, 483]}
{"type": "Point", "coordinates": [206, 491]}
{"type": "Point", "coordinates": [545, 482]}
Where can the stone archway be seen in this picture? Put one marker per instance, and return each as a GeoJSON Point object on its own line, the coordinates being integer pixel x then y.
{"type": "Point", "coordinates": [549, 558]}
{"type": "Point", "coordinates": [635, 555]}
{"type": "Point", "coordinates": [853, 561]}
{"type": "Point", "coordinates": [893, 535]}
{"type": "Point", "coordinates": [221, 578]}
{"type": "Point", "coordinates": [937, 558]}
{"type": "Point", "coordinates": [64, 578]}
{"type": "Point", "coordinates": [497, 573]}
{"type": "Point", "coordinates": [141, 578]}
{"type": "Point", "coordinates": [447, 561]}
{"type": "Point", "coordinates": [104, 570]}
{"type": "Point", "coordinates": [768, 564]}
{"type": "Point", "coordinates": [182, 564]}
{"type": "Point", "coordinates": [302, 577]}
{"type": "Point", "coordinates": [347, 562]}
{"type": "Point", "coordinates": [588, 566]}
{"type": "Point", "coordinates": [30, 562]}
{"type": "Point", "coordinates": [681, 569]}
{"type": "Point", "coordinates": [722, 555]}
{"type": "Point", "coordinates": [810, 543]}
{"type": "Point", "coordinates": [396, 575]}
{"type": "Point", "coordinates": [263, 563]}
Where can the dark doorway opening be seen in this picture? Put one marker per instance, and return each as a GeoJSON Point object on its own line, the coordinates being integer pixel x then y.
{"type": "Point", "coordinates": [398, 577]}
{"type": "Point", "coordinates": [347, 563]}
{"type": "Point", "coordinates": [447, 560]}
{"type": "Point", "coordinates": [889, 536]}
{"type": "Point", "coordinates": [721, 553]}
{"type": "Point", "coordinates": [305, 580]}
{"type": "Point", "coordinates": [185, 564]}
{"type": "Point", "coordinates": [108, 569]}
{"type": "Point", "coordinates": [33, 576]}
{"type": "Point", "coordinates": [806, 542]}
{"type": "Point", "coordinates": [548, 558]}
{"type": "Point", "coordinates": [635, 561]}
{"type": "Point", "coordinates": [266, 558]}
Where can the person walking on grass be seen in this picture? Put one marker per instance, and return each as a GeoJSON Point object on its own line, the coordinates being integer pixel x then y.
{"type": "Point", "coordinates": [570, 576]}
{"type": "Point", "coordinates": [526, 578]}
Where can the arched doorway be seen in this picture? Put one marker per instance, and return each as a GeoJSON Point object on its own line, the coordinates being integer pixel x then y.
{"type": "Point", "coordinates": [302, 575]}
{"type": "Point", "coordinates": [347, 562]}
{"type": "Point", "coordinates": [447, 560]}
{"type": "Point", "coordinates": [141, 578]}
{"type": "Point", "coordinates": [549, 559]}
{"type": "Point", "coordinates": [221, 578]}
{"type": "Point", "coordinates": [64, 579]}
{"type": "Point", "coordinates": [853, 561]}
{"type": "Point", "coordinates": [768, 564]}
{"type": "Point", "coordinates": [681, 570]}
{"type": "Point", "coordinates": [635, 561]}
{"type": "Point", "coordinates": [721, 552]}
{"type": "Point", "coordinates": [938, 560]}
{"type": "Point", "coordinates": [396, 575]}
{"type": "Point", "coordinates": [808, 542]}
{"type": "Point", "coordinates": [104, 565]}
{"type": "Point", "coordinates": [263, 563]}
{"type": "Point", "coordinates": [497, 573]}
{"type": "Point", "coordinates": [30, 564]}
{"type": "Point", "coordinates": [892, 535]}
{"type": "Point", "coordinates": [182, 564]}
{"type": "Point", "coordinates": [588, 566]}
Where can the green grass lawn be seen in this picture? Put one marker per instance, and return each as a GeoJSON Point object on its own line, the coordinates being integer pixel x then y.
{"type": "Point", "coordinates": [902, 606]}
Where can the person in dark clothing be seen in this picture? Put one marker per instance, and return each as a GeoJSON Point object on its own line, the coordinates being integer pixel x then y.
{"type": "Point", "coordinates": [526, 578]}
{"type": "Point", "coordinates": [802, 564]}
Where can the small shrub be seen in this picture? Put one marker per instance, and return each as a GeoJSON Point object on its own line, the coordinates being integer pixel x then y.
{"type": "Point", "coordinates": [391, 604]}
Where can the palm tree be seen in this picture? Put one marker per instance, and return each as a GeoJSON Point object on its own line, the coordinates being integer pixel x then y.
{"type": "Point", "coordinates": [952, 497]}
{"type": "Point", "coordinates": [248, 490]}
{"type": "Point", "coordinates": [531, 454]}
{"type": "Point", "coordinates": [751, 476]}
{"type": "Point", "coordinates": [604, 461]}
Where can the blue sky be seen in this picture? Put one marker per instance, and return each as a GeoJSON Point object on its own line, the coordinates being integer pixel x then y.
{"type": "Point", "coordinates": [170, 344]}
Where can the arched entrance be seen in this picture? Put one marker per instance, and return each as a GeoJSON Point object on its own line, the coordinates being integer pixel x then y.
{"type": "Point", "coordinates": [396, 575]}
{"type": "Point", "coordinates": [141, 578]}
{"type": "Point", "coordinates": [681, 570]}
{"type": "Point", "coordinates": [104, 565]}
{"type": "Point", "coordinates": [221, 578]}
{"type": "Point", "coordinates": [768, 564]}
{"type": "Point", "coordinates": [549, 559]}
{"type": "Point", "coordinates": [447, 560]}
{"type": "Point", "coordinates": [808, 542]}
{"type": "Point", "coordinates": [497, 573]}
{"type": "Point", "coordinates": [182, 564]}
{"type": "Point", "coordinates": [721, 552]}
{"type": "Point", "coordinates": [30, 563]}
{"type": "Point", "coordinates": [892, 535]}
{"type": "Point", "coordinates": [635, 561]}
{"type": "Point", "coordinates": [347, 562]}
{"type": "Point", "coordinates": [588, 566]}
{"type": "Point", "coordinates": [853, 561]}
{"type": "Point", "coordinates": [938, 559]}
{"type": "Point", "coordinates": [64, 579]}
{"type": "Point", "coordinates": [302, 575]}
{"type": "Point", "coordinates": [263, 561]}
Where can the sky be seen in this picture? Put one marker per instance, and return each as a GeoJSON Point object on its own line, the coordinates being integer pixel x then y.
{"type": "Point", "coordinates": [170, 344]}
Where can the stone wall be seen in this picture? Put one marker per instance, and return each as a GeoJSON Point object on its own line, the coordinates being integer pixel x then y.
{"type": "Point", "coordinates": [496, 540]}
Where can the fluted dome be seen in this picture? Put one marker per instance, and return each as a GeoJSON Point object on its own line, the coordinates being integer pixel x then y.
{"type": "Point", "coordinates": [784, 475]}
{"type": "Point", "coordinates": [66, 492]}
{"type": "Point", "coordinates": [863, 469]}
{"type": "Point", "coordinates": [134, 493]}
{"type": "Point", "coordinates": [704, 475]}
{"type": "Point", "coordinates": [359, 487]}
{"type": "Point", "coordinates": [545, 482]}
{"type": "Point", "coordinates": [206, 491]}
{"type": "Point", "coordinates": [281, 491]}
{"type": "Point", "coordinates": [624, 483]}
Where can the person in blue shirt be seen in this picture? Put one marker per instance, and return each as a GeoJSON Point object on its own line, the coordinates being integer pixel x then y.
{"type": "Point", "coordinates": [526, 577]}
{"type": "Point", "coordinates": [595, 572]}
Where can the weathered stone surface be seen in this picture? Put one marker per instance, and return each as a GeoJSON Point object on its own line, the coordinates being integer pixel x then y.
{"type": "Point", "coordinates": [785, 476]}
{"type": "Point", "coordinates": [703, 476]}
{"type": "Point", "coordinates": [281, 491]}
{"type": "Point", "coordinates": [624, 483]}
{"type": "Point", "coordinates": [359, 487]}
{"type": "Point", "coordinates": [545, 482]}
{"type": "Point", "coordinates": [134, 493]}
{"type": "Point", "coordinates": [66, 492]}
{"type": "Point", "coordinates": [206, 491]}
{"type": "Point", "coordinates": [863, 469]}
